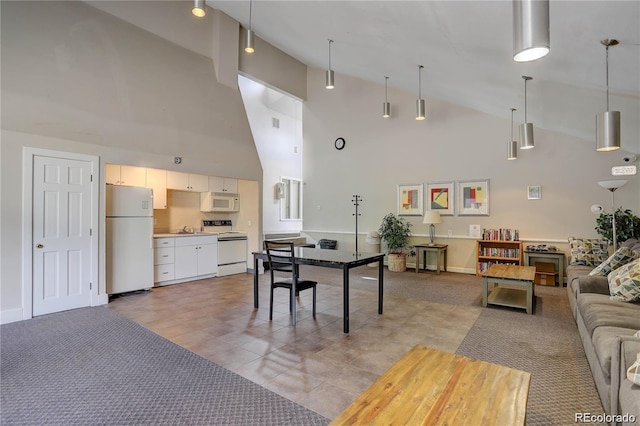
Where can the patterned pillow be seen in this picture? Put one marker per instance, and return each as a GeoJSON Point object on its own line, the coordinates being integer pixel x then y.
{"type": "Point", "coordinates": [588, 252]}
{"type": "Point", "coordinates": [621, 257]}
{"type": "Point", "coordinates": [624, 282]}
{"type": "Point", "coordinates": [633, 373]}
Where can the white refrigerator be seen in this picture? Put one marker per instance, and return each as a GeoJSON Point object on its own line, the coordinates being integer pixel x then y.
{"type": "Point", "coordinates": [129, 242]}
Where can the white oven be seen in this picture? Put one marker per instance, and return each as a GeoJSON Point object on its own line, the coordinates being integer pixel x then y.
{"type": "Point", "coordinates": [232, 247]}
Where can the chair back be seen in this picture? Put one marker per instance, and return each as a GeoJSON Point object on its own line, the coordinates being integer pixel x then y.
{"type": "Point", "coordinates": [281, 256]}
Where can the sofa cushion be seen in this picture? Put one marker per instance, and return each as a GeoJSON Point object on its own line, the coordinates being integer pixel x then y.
{"type": "Point", "coordinates": [588, 251]}
{"type": "Point", "coordinates": [624, 282]}
{"type": "Point", "coordinates": [632, 243]}
{"type": "Point", "coordinates": [598, 310]}
{"type": "Point", "coordinates": [622, 256]}
{"type": "Point", "coordinates": [604, 341]}
{"type": "Point", "coordinates": [593, 284]}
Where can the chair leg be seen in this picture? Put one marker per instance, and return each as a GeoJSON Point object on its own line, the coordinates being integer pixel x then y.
{"type": "Point", "coordinates": [271, 305]}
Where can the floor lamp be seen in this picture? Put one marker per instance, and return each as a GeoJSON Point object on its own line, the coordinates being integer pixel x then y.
{"type": "Point", "coordinates": [432, 217]}
{"type": "Point", "coordinates": [612, 185]}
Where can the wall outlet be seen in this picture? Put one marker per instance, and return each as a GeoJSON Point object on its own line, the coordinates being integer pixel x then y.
{"type": "Point", "coordinates": [450, 232]}
{"type": "Point", "coordinates": [249, 223]}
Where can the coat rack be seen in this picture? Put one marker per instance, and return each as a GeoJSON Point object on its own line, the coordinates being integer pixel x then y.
{"type": "Point", "coordinates": [356, 202]}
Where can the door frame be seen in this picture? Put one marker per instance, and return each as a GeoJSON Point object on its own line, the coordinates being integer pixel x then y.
{"type": "Point", "coordinates": [28, 154]}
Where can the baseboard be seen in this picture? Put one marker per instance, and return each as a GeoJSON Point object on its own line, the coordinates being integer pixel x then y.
{"type": "Point", "coordinates": [11, 315]}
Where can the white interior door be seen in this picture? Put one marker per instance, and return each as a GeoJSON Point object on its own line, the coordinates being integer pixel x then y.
{"type": "Point", "coordinates": [61, 234]}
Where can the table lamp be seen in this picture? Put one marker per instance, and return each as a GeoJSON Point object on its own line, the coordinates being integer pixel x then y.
{"type": "Point", "coordinates": [432, 217]}
{"type": "Point", "coordinates": [612, 185]}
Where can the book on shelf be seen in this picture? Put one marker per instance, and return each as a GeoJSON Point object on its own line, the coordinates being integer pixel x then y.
{"type": "Point", "coordinates": [501, 234]}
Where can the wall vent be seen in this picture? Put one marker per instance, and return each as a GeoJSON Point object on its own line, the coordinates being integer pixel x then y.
{"type": "Point", "coordinates": [275, 123]}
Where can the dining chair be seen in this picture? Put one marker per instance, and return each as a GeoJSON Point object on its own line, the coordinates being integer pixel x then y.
{"type": "Point", "coordinates": [281, 257]}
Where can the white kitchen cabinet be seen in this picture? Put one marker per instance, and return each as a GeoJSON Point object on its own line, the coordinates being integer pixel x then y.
{"type": "Point", "coordinates": [163, 260]}
{"type": "Point", "coordinates": [195, 256]}
{"type": "Point", "coordinates": [157, 180]}
{"type": "Point", "coordinates": [222, 184]}
{"type": "Point", "coordinates": [117, 174]}
{"type": "Point", "coordinates": [187, 181]}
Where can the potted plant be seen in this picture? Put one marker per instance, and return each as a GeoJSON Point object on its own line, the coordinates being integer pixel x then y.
{"type": "Point", "coordinates": [627, 225]}
{"type": "Point", "coordinates": [395, 232]}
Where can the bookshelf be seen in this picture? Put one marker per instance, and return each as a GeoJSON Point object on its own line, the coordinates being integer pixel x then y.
{"type": "Point", "coordinates": [489, 252]}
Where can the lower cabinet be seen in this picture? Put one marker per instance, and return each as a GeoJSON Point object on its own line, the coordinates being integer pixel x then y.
{"type": "Point", "coordinates": [191, 257]}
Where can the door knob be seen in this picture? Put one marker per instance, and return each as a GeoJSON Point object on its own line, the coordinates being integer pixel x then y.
{"type": "Point", "coordinates": [39, 245]}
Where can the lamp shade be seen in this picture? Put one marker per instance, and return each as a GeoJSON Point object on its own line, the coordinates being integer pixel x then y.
{"type": "Point", "coordinates": [432, 216]}
{"type": "Point", "coordinates": [512, 150]}
{"type": "Point", "coordinates": [612, 185]}
{"type": "Point", "coordinates": [526, 136]}
{"type": "Point", "coordinates": [530, 29]}
{"type": "Point", "coordinates": [608, 131]}
{"type": "Point", "coordinates": [198, 8]}
{"type": "Point", "coordinates": [329, 79]}
{"type": "Point", "coordinates": [386, 109]}
{"type": "Point", "coordinates": [248, 42]}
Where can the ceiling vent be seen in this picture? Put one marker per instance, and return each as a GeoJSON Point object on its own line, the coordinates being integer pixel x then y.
{"type": "Point", "coordinates": [275, 123]}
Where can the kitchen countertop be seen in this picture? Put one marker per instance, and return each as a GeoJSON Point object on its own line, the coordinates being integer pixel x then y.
{"type": "Point", "coordinates": [175, 234]}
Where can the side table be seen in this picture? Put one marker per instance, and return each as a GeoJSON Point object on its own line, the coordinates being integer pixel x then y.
{"type": "Point", "coordinates": [439, 249]}
{"type": "Point", "coordinates": [557, 257]}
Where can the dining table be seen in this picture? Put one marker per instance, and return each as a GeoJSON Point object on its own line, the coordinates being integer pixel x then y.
{"type": "Point", "coordinates": [337, 259]}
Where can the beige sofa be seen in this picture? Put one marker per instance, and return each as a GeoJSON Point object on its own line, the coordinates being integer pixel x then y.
{"type": "Point", "coordinates": [607, 329]}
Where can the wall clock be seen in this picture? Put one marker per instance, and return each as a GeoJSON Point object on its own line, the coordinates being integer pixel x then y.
{"type": "Point", "coordinates": [339, 143]}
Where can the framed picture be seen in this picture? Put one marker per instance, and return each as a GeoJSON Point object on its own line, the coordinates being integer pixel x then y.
{"type": "Point", "coordinates": [440, 197]}
{"type": "Point", "coordinates": [473, 198]}
{"type": "Point", "coordinates": [533, 192]}
{"type": "Point", "coordinates": [410, 200]}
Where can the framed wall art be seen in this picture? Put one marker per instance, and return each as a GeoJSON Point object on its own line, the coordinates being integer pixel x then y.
{"type": "Point", "coordinates": [410, 200]}
{"type": "Point", "coordinates": [440, 197]}
{"type": "Point", "coordinates": [534, 192]}
{"type": "Point", "coordinates": [473, 198]}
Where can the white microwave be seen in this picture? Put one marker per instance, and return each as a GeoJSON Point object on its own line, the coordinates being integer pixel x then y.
{"type": "Point", "coordinates": [219, 202]}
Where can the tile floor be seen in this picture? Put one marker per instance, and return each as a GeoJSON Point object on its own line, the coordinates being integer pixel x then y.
{"type": "Point", "coordinates": [314, 363]}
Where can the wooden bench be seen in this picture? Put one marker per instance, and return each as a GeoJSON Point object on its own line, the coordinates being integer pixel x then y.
{"type": "Point", "coordinates": [431, 387]}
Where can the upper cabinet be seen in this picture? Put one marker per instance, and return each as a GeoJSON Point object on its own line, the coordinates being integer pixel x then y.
{"type": "Point", "coordinates": [157, 180]}
{"type": "Point", "coordinates": [126, 175]}
{"type": "Point", "coordinates": [221, 184]}
{"type": "Point", "coordinates": [187, 182]}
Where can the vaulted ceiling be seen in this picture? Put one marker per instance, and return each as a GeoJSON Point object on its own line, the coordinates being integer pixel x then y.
{"type": "Point", "coordinates": [466, 50]}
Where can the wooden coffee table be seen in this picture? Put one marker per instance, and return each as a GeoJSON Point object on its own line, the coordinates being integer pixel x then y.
{"type": "Point", "coordinates": [431, 387]}
{"type": "Point", "coordinates": [517, 276]}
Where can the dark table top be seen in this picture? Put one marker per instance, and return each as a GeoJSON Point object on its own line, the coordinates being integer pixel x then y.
{"type": "Point", "coordinates": [327, 256]}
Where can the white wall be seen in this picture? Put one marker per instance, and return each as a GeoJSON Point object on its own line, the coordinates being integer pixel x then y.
{"type": "Point", "coordinates": [280, 149]}
{"type": "Point", "coordinates": [452, 144]}
{"type": "Point", "coordinates": [77, 79]}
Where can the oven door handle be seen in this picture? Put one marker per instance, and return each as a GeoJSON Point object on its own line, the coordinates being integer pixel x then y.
{"type": "Point", "coordinates": [232, 239]}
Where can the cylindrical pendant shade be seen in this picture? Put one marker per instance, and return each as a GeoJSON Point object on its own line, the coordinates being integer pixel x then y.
{"type": "Point", "coordinates": [526, 136]}
{"type": "Point", "coordinates": [512, 150]}
{"type": "Point", "coordinates": [420, 115]}
{"type": "Point", "coordinates": [608, 131]}
{"type": "Point", "coordinates": [530, 29]}
{"type": "Point", "coordinates": [198, 8]}
{"type": "Point", "coordinates": [329, 79]}
{"type": "Point", "coordinates": [248, 42]}
{"type": "Point", "coordinates": [386, 109]}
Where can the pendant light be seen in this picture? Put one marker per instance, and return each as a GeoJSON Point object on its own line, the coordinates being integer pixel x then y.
{"type": "Point", "coordinates": [526, 129]}
{"type": "Point", "coordinates": [386, 106]}
{"type": "Point", "coordinates": [512, 145]}
{"type": "Point", "coordinates": [248, 42]}
{"type": "Point", "coordinates": [530, 29]}
{"type": "Point", "coordinates": [198, 8]}
{"type": "Point", "coordinates": [608, 123]}
{"type": "Point", "coordinates": [420, 102]}
{"type": "Point", "coordinates": [330, 71]}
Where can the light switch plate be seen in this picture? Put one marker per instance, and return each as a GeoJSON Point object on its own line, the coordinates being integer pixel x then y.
{"type": "Point", "coordinates": [624, 170]}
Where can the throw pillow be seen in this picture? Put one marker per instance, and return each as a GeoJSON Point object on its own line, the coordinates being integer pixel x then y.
{"type": "Point", "coordinates": [633, 373]}
{"type": "Point", "coordinates": [624, 282]}
{"type": "Point", "coordinates": [622, 256]}
{"type": "Point", "coordinates": [588, 251]}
